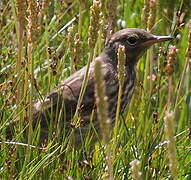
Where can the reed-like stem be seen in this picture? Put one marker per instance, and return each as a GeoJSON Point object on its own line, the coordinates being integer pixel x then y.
{"type": "Point", "coordinates": [71, 43]}
{"type": "Point", "coordinates": [152, 14]}
{"type": "Point", "coordinates": [112, 14]}
{"type": "Point", "coordinates": [170, 68]}
{"type": "Point", "coordinates": [149, 14]}
{"type": "Point", "coordinates": [145, 13]}
{"type": "Point", "coordinates": [102, 112]}
{"type": "Point", "coordinates": [21, 18]}
{"type": "Point", "coordinates": [121, 77]}
{"type": "Point", "coordinates": [170, 132]}
{"type": "Point", "coordinates": [151, 22]}
{"type": "Point", "coordinates": [32, 32]}
{"type": "Point", "coordinates": [94, 23]}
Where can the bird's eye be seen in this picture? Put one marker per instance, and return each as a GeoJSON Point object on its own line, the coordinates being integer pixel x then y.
{"type": "Point", "coordinates": [132, 40]}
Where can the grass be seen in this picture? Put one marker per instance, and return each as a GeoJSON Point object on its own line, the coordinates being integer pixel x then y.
{"type": "Point", "coordinates": [141, 131]}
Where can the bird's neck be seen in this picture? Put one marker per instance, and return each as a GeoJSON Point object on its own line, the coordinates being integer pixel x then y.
{"type": "Point", "coordinates": [111, 58]}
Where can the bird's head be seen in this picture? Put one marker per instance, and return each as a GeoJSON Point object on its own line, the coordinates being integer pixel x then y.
{"type": "Point", "coordinates": [135, 41]}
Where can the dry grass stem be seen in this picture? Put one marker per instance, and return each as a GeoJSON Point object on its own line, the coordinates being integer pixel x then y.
{"type": "Point", "coordinates": [145, 13]}
{"type": "Point", "coordinates": [94, 23]}
{"type": "Point", "coordinates": [102, 112]}
{"type": "Point", "coordinates": [32, 35]}
{"type": "Point", "coordinates": [71, 44]}
{"type": "Point", "coordinates": [21, 17]}
{"type": "Point", "coordinates": [121, 76]}
{"type": "Point", "coordinates": [170, 68]}
{"type": "Point", "coordinates": [152, 14]}
{"type": "Point", "coordinates": [170, 132]}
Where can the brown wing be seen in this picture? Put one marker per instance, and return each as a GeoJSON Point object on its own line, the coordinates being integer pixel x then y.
{"type": "Point", "coordinates": [66, 97]}
{"type": "Point", "coordinates": [62, 102]}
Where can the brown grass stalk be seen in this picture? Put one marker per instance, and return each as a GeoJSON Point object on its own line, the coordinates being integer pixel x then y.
{"type": "Point", "coordinates": [170, 132]}
{"type": "Point", "coordinates": [102, 111]}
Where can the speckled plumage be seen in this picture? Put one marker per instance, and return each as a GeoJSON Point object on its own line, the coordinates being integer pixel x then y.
{"type": "Point", "coordinates": [64, 99]}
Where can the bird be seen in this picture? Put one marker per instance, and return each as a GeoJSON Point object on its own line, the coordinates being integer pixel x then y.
{"type": "Point", "coordinates": [59, 106]}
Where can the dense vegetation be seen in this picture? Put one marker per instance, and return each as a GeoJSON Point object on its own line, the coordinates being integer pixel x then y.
{"type": "Point", "coordinates": [42, 43]}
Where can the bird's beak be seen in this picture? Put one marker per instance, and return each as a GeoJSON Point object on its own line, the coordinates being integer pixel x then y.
{"type": "Point", "coordinates": [156, 39]}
